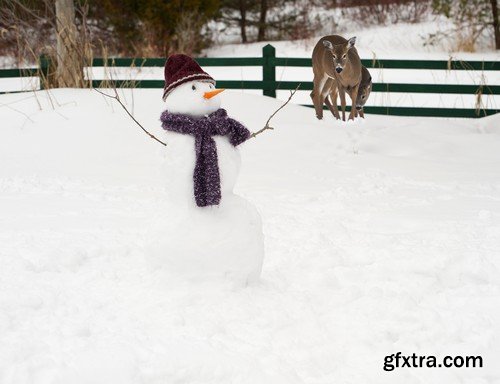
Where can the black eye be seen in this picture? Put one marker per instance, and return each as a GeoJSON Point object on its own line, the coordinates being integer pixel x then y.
{"type": "Point", "coordinates": [363, 97]}
{"type": "Point", "coordinates": [335, 57]}
{"type": "Point", "coordinates": [193, 88]}
{"type": "Point", "coordinates": [344, 56]}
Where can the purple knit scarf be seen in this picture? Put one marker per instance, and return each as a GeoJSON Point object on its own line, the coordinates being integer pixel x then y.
{"type": "Point", "coordinates": [206, 175]}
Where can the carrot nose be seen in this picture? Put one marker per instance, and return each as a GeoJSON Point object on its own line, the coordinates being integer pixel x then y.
{"type": "Point", "coordinates": [209, 95]}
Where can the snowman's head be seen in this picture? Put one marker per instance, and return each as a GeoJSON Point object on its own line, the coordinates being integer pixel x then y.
{"type": "Point", "coordinates": [194, 98]}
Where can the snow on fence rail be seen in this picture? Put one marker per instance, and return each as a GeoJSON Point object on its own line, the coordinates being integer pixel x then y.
{"type": "Point", "coordinates": [269, 85]}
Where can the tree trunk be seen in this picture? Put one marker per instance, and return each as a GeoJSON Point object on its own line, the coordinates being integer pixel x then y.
{"type": "Point", "coordinates": [494, 8]}
{"type": "Point", "coordinates": [69, 71]}
{"type": "Point", "coordinates": [262, 20]}
{"type": "Point", "coordinates": [243, 21]}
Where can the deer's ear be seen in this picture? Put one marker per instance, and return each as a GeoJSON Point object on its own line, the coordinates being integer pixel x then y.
{"type": "Point", "coordinates": [327, 44]}
{"type": "Point", "coordinates": [351, 42]}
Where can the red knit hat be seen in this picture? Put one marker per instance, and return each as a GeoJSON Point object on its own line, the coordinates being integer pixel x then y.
{"type": "Point", "coordinates": [180, 69]}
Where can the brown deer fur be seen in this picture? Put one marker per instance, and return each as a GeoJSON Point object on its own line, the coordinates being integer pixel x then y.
{"type": "Point", "coordinates": [336, 63]}
{"type": "Point", "coordinates": [365, 87]}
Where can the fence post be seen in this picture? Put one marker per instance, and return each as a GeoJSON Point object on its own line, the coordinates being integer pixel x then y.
{"type": "Point", "coordinates": [43, 68]}
{"type": "Point", "coordinates": [269, 69]}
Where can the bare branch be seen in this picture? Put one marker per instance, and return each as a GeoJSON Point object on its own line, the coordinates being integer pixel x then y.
{"type": "Point", "coordinates": [117, 98]}
{"type": "Point", "coordinates": [267, 127]}
{"type": "Point", "coordinates": [18, 111]}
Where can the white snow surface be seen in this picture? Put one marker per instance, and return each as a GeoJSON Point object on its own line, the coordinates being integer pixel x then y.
{"type": "Point", "coordinates": [381, 235]}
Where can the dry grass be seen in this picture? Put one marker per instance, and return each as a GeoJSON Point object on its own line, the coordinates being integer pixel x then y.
{"type": "Point", "coordinates": [29, 33]}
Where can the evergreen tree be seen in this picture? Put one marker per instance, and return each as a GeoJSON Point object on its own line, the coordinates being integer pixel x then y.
{"type": "Point", "coordinates": [151, 27]}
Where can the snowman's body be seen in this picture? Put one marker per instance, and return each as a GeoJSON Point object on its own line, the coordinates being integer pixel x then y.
{"type": "Point", "coordinates": [179, 163]}
{"type": "Point", "coordinates": [219, 240]}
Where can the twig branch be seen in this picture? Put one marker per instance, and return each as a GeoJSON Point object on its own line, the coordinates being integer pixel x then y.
{"type": "Point", "coordinates": [267, 127]}
{"type": "Point", "coordinates": [117, 98]}
{"type": "Point", "coordinates": [18, 111]}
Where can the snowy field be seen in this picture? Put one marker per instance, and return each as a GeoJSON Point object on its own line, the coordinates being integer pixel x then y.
{"type": "Point", "coordinates": [381, 235]}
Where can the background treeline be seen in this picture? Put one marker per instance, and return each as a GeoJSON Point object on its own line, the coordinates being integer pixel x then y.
{"type": "Point", "coordinates": [158, 27]}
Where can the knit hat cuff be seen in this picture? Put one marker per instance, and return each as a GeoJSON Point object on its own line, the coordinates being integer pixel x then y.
{"type": "Point", "coordinates": [192, 77]}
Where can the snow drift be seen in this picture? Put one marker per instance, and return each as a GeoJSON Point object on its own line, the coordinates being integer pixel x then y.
{"type": "Point", "coordinates": [382, 235]}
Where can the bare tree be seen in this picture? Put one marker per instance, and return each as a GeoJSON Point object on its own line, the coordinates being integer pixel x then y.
{"type": "Point", "coordinates": [69, 71]}
{"type": "Point", "coordinates": [384, 12]}
{"type": "Point", "coordinates": [269, 19]}
{"type": "Point", "coordinates": [472, 19]}
{"type": "Point", "coordinates": [243, 20]}
{"type": "Point", "coordinates": [30, 29]}
{"type": "Point", "coordinates": [262, 20]}
{"type": "Point", "coordinates": [187, 35]}
{"type": "Point", "coordinates": [496, 28]}
{"type": "Point", "coordinates": [237, 13]}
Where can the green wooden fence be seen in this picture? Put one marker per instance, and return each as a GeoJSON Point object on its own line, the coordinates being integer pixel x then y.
{"type": "Point", "coordinates": [269, 62]}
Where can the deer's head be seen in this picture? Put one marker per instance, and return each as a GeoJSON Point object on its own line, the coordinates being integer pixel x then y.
{"type": "Point", "coordinates": [339, 52]}
{"type": "Point", "coordinates": [363, 93]}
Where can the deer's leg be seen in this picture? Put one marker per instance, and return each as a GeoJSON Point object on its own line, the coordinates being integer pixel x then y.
{"type": "Point", "coordinates": [333, 105]}
{"type": "Point", "coordinates": [354, 96]}
{"type": "Point", "coordinates": [329, 105]}
{"type": "Point", "coordinates": [353, 105]}
{"type": "Point", "coordinates": [342, 101]}
{"type": "Point", "coordinates": [362, 113]}
{"type": "Point", "coordinates": [326, 91]}
{"type": "Point", "coordinates": [318, 100]}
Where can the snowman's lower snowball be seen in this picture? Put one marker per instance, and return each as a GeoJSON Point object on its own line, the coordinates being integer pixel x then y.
{"type": "Point", "coordinates": [210, 242]}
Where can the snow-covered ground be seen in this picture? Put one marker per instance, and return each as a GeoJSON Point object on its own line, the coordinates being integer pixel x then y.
{"type": "Point", "coordinates": [381, 236]}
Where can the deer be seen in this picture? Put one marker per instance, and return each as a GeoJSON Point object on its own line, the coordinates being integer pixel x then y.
{"type": "Point", "coordinates": [365, 87]}
{"type": "Point", "coordinates": [336, 64]}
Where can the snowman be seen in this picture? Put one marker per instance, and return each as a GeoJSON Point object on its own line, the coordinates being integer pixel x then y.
{"type": "Point", "coordinates": [209, 231]}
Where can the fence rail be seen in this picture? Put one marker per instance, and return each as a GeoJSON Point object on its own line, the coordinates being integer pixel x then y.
{"type": "Point", "coordinates": [269, 62]}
